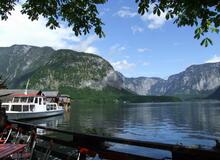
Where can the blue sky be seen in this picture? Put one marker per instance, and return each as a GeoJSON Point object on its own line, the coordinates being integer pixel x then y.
{"type": "Point", "coordinates": [135, 45]}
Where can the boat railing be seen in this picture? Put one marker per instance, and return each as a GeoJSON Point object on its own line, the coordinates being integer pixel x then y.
{"type": "Point", "coordinates": [97, 144]}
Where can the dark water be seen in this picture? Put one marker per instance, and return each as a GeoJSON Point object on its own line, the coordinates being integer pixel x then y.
{"type": "Point", "coordinates": [188, 123]}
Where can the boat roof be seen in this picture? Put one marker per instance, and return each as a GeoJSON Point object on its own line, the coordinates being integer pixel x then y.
{"type": "Point", "coordinates": [18, 91]}
{"type": "Point", "coordinates": [65, 96]}
{"type": "Point", "coordinates": [26, 95]}
{"type": "Point", "coordinates": [51, 93]}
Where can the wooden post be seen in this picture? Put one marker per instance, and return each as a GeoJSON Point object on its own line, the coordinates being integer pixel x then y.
{"type": "Point", "coordinates": [3, 117]}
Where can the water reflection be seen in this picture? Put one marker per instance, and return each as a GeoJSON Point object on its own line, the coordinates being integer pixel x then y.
{"type": "Point", "coordinates": [187, 123]}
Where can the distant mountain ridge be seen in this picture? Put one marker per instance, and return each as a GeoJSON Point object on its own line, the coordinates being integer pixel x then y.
{"type": "Point", "coordinates": [196, 80]}
{"type": "Point", "coordinates": [56, 69]}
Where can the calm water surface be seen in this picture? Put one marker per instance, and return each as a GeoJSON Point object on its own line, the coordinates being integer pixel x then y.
{"type": "Point", "coordinates": [186, 122]}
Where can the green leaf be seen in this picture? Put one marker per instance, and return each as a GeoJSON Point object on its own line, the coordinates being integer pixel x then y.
{"type": "Point", "coordinates": [171, 15]}
{"type": "Point", "coordinates": [205, 42]}
{"type": "Point", "coordinates": [158, 12]}
{"type": "Point", "coordinates": [210, 41]}
{"type": "Point", "coordinates": [167, 16]}
{"type": "Point", "coordinates": [216, 30]}
{"type": "Point", "coordinates": [154, 11]}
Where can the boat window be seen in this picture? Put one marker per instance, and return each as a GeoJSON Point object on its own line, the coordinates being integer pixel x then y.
{"type": "Point", "coordinates": [16, 108]}
{"type": "Point", "coordinates": [49, 107]}
{"type": "Point", "coordinates": [30, 99]}
{"type": "Point", "coordinates": [23, 99]}
{"type": "Point", "coordinates": [36, 100]}
{"type": "Point", "coordinates": [25, 108]}
{"type": "Point", "coordinates": [6, 107]}
{"type": "Point", "coordinates": [44, 101]}
{"type": "Point", "coordinates": [40, 99]}
{"type": "Point", "coordinates": [32, 107]}
{"type": "Point", "coordinates": [16, 99]}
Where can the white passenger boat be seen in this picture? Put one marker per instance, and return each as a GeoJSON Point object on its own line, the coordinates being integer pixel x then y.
{"type": "Point", "coordinates": [29, 106]}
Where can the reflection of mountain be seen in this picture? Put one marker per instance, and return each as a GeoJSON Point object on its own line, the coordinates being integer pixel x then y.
{"type": "Point", "coordinates": [187, 122]}
{"type": "Point", "coordinates": [99, 119]}
{"type": "Point", "coordinates": [190, 123]}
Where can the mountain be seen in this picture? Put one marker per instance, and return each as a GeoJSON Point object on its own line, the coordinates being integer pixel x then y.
{"type": "Point", "coordinates": [20, 61]}
{"type": "Point", "coordinates": [51, 69]}
{"type": "Point", "coordinates": [215, 94]}
{"type": "Point", "coordinates": [141, 85]}
{"type": "Point", "coordinates": [84, 76]}
{"type": "Point", "coordinates": [69, 70]}
{"type": "Point", "coordinates": [195, 80]}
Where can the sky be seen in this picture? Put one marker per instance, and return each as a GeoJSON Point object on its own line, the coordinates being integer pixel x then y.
{"type": "Point", "coordinates": [135, 45]}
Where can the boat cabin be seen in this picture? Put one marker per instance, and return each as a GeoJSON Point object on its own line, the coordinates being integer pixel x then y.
{"type": "Point", "coordinates": [29, 106]}
{"type": "Point", "coordinates": [29, 103]}
{"type": "Point", "coordinates": [64, 100]}
{"type": "Point", "coordinates": [24, 103]}
{"type": "Point", "coordinates": [10, 93]}
{"type": "Point", "coordinates": [51, 96]}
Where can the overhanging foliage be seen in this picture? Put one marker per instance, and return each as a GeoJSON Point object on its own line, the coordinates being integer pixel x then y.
{"type": "Point", "coordinates": [82, 15]}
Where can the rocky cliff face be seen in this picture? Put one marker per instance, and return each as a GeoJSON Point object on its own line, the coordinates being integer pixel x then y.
{"type": "Point", "coordinates": [19, 61]}
{"type": "Point", "coordinates": [142, 85]}
{"type": "Point", "coordinates": [54, 69]}
{"type": "Point", "coordinates": [50, 69]}
{"type": "Point", "coordinates": [196, 79]}
{"type": "Point", "coordinates": [73, 69]}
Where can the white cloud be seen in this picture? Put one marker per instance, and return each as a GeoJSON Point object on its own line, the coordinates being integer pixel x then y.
{"type": "Point", "coordinates": [154, 21]}
{"type": "Point", "coordinates": [146, 64]}
{"type": "Point", "coordinates": [91, 49]}
{"type": "Point", "coordinates": [141, 50]}
{"type": "Point", "coordinates": [214, 59]}
{"type": "Point", "coordinates": [18, 29]}
{"type": "Point", "coordinates": [122, 65]}
{"type": "Point", "coordinates": [85, 45]}
{"type": "Point", "coordinates": [126, 12]}
{"type": "Point", "coordinates": [117, 49]}
{"type": "Point", "coordinates": [136, 29]}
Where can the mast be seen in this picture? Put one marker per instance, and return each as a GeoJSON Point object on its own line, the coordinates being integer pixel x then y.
{"type": "Point", "coordinates": [25, 92]}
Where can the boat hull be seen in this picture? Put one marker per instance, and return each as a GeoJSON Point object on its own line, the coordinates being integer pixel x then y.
{"type": "Point", "coordinates": [32, 115]}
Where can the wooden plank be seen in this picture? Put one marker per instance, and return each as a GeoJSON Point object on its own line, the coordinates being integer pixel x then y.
{"type": "Point", "coordinates": [56, 140]}
{"type": "Point", "coordinates": [8, 149]}
{"type": "Point", "coordinates": [108, 154]}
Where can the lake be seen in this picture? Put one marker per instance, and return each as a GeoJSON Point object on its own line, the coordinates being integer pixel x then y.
{"type": "Point", "coordinates": [188, 123]}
